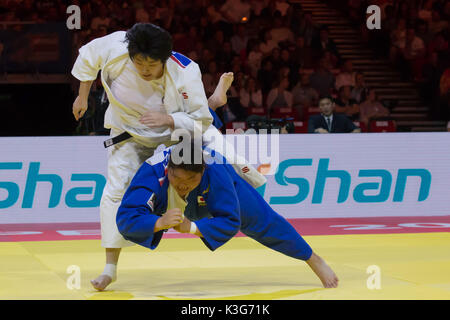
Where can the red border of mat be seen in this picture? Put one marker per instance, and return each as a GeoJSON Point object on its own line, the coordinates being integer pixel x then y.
{"type": "Point", "coordinates": [306, 227]}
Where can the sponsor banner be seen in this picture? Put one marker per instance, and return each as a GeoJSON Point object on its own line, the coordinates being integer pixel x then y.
{"type": "Point", "coordinates": [361, 175]}
{"type": "Point", "coordinates": [61, 179]}
{"type": "Point", "coordinates": [51, 179]}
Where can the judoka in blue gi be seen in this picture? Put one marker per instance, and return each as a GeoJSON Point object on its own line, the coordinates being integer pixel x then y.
{"type": "Point", "coordinates": [210, 200]}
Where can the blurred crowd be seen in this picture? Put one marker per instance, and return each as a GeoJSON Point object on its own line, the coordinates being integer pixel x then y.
{"type": "Point", "coordinates": [414, 36]}
{"type": "Point", "coordinates": [279, 55]}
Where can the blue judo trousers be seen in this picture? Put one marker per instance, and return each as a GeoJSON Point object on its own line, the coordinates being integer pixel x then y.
{"type": "Point", "coordinates": [221, 205]}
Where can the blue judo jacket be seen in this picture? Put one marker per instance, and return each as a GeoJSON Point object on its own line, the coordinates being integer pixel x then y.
{"type": "Point", "coordinates": [146, 200]}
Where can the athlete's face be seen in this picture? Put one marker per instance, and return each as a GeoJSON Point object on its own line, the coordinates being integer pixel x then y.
{"type": "Point", "coordinates": [183, 181]}
{"type": "Point", "coordinates": [148, 68]}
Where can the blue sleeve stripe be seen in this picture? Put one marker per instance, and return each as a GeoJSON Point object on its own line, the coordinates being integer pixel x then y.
{"type": "Point", "coordinates": [182, 60]}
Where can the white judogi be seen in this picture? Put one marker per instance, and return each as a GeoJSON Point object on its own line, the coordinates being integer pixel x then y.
{"type": "Point", "coordinates": [179, 92]}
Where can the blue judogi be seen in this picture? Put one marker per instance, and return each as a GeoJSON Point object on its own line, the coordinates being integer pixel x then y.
{"type": "Point", "coordinates": [221, 205]}
{"type": "Point", "coordinates": [216, 120]}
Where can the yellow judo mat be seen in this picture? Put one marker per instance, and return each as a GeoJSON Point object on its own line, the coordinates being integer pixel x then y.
{"type": "Point", "coordinates": [410, 266]}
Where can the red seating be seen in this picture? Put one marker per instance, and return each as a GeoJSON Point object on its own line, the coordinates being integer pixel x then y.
{"type": "Point", "coordinates": [301, 126]}
{"type": "Point", "coordinates": [284, 112]}
{"type": "Point", "coordinates": [361, 125]}
{"type": "Point", "coordinates": [382, 126]}
{"type": "Point", "coordinates": [237, 125]}
{"type": "Point", "coordinates": [313, 110]}
{"type": "Point", "coordinates": [257, 111]}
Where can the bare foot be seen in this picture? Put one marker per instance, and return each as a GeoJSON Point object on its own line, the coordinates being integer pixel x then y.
{"type": "Point", "coordinates": [101, 282]}
{"type": "Point", "coordinates": [323, 271]}
{"type": "Point", "coordinates": [219, 97]}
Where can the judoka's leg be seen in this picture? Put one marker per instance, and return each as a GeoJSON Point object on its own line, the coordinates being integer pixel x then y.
{"type": "Point", "coordinates": [123, 161]}
{"type": "Point", "coordinates": [219, 97]}
{"type": "Point", "coordinates": [260, 222]}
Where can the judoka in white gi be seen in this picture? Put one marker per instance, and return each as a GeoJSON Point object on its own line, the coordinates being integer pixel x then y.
{"type": "Point", "coordinates": [152, 91]}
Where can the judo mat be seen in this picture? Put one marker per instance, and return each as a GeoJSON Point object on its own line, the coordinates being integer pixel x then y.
{"type": "Point", "coordinates": [389, 259]}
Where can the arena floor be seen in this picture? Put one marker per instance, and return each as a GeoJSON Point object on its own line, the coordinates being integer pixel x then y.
{"type": "Point", "coordinates": [413, 265]}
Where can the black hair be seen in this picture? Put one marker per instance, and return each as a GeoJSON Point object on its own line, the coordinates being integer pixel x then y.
{"type": "Point", "coordinates": [193, 161]}
{"type": "Point", "coordinates": [326, 97]}
{"type": "Point", "coordinates": [150, 41]}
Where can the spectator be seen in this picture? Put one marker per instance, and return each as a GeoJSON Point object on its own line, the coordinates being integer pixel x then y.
{"type": "Point", "coordinates": [214, 13]}
{"type": "Point", "coordinates": [254, 57]}
{"type": "Point", "coordinates": [211, 78]}
{"type": "Point", "coordinates": [239, 40]}
{"type": "Point", "coordinates": [268, 44]}
{"type": "Point", "coordinates": [360, 90]}
{"type": "Point", "coordinates": [331, 60]}
{"type": "Point", "coordinates": [206, 58]}
{"type": "Point", "coordinates": [280, 32]}
{"type": "Point", "coordinates": [286, 60]}
{"type": "Point", "coordinates": [206, 30]}
{"type": "Point", "coordinates": [423, 32]}
{"type": "Point", "coordinates": [280, 96]}
{"type": "Point", "coordinates": [258, 6]}
{"type": "Point", "coordinates": [146, 12]}
{"type": "Point", "coordinates": [372, 109]}
{"type": "Point", "coordinates": [275, 57]}
{"type": "Point", "coordinates": [235, 10]}
{"type": "Point", "coordinates": [303, 56]}
{"type": "Point", "coordinates": [414, 53]}
{"type": "Point", "coordinates": [251, 94]}
{"type": "Point", "coordinates": [217, 42]}
{"type": "Point", "coordinates": [345, 104]}
{"type": "Point", "coordinates": [347, 76]}
{"type": "Point", "coordinates": [437, 25]}
{"type": "Point", "coordinates": [324, 43]}
{"type": "Point", "coordinates": [234, 98]}
{"type": "Point", "coordinates": [322, 79]}
{"type": "Point", "coordinates": [398, 40]}
{"type": "Point", "coordinates": [426, 13]}
{"type": "Point", "coordinates": [328, 121]}
{"type": "Point", "coordinates": [196, 54]}
{"type": "Point", "coordinates": [438, 44]}
{"type": "Point", "coordinates": [270, 11]}
{"type": "Point", "coordinates": [266, 75]}
{"type": "Point", "coordinates": [193, 37]}
{"type": "Point", "coordinates": [308, 29]}
{"type": "Point", "coordinates": [102, 19]}
{"type": "Point", "coordinates": [304, 96]}
{"type": "Point", "coordinates": [224, 55]}
{"type": "Point", "coordinates": [282, 7]}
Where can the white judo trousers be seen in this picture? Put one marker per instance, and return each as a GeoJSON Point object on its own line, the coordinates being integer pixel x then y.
{"type": "Point", "coordinates": [124, 159]}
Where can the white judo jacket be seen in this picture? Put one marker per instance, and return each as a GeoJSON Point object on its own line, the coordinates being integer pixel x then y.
{"type": "Point", "coordinates": [184, 97]}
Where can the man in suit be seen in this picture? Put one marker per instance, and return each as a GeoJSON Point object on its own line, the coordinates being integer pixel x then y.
{"type": "Point", "coordinates": [330, 122]}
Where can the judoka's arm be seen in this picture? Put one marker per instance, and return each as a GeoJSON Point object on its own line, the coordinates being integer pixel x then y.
{"type": "Point", "coordinates": [196, 103]}
{"type": "Point", "coordinates": [135, 218]}
{"type": "Point", "coordinates": [81, 102]}
{"type": "Point", "coordinates": [91, 58]}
